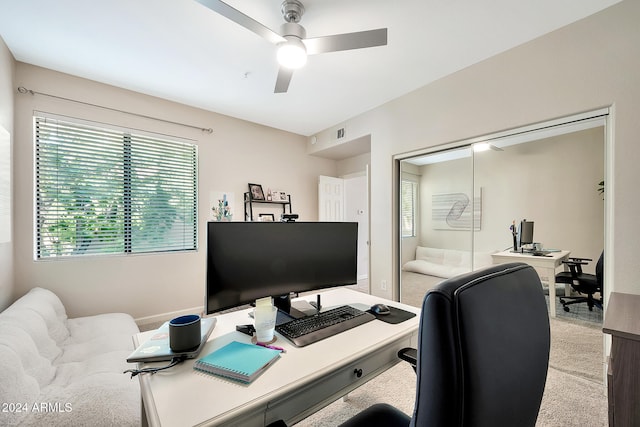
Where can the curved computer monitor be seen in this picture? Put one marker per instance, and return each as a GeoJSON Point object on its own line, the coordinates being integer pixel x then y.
{"type": "Point", "coordinates": [251, 260]}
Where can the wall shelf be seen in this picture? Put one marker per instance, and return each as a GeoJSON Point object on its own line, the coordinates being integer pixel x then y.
{"type": "Point", "coordinates": [249, 203]}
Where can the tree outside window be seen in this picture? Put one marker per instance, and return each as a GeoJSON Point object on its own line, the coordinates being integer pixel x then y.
{"type": "Point", "coordinates": [109, 191]}
{"type": "Point", "coordinates": [408, 198]}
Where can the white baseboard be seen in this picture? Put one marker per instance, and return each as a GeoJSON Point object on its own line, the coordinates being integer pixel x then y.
{"type": "Point", "coordinates": [163, 317]}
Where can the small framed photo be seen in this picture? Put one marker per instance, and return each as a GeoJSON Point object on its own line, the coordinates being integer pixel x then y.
{"type": "Point", "coordinates": [267, 217]}
{"type": "Point", "coordinates": [279, 196]}
{"type": "Point", "coordinates": [255, 192]}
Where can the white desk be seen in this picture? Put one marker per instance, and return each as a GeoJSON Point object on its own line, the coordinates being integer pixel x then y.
{"type": "Point", "coordinates": [303, 381]}
{"type": "Point", "coordinates": [548, 264]}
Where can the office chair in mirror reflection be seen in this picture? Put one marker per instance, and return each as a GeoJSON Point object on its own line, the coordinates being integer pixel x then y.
{"type": "Point", "coordinates": [584, 283]}
{"type": "Point", "coordinates": [482, 355]}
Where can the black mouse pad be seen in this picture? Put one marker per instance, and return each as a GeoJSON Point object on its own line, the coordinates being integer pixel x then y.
{"type": "Point", "coordinates": [396, 316]}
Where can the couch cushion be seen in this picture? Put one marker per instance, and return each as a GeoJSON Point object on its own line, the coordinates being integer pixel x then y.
{"type": "Point", "coordinates": [101, 399]}
{"type": "Point", "coordinates": [15, 384]}
{"type": "Point", "coordinates": [35, 326]}
{"type": "Point", "coordinates": [455, 258]}
{"type": "Point", "coordinates": [85, 329]}
{"type": "Point", "coordinates": [49, 307]}
{"type": "Point", "coordinates": [433, 255]}
{"type": "Point", "coordinates": [446, 263]}
{"type": "Point", "coordinates": [31, 361]}
{"type": "Point", "coordinates": [113, 362]}
{"type": "Point", "coordinates": [433, 269]}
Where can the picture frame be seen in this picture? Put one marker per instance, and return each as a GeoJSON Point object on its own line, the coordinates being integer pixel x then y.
{"type": "Point", "coordinates": [255, 192]}
{"type": "Point", "coordinates": [456, 211]}
{"type": "Point", "coordinates": [267, 217]}
{"type": "Point", "coordinates": [278, 196]}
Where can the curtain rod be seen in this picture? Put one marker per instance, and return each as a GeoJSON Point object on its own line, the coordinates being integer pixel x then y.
{"type": "Point", "coordinates": [24, 90]}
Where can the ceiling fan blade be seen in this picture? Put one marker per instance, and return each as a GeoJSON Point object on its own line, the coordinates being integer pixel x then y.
{"type": "Point", "coordinates": [362, 39]}
{"type": "Point", "coordinates": [284, 78]}
{"type": "Point", "coordinates": [242, 19]}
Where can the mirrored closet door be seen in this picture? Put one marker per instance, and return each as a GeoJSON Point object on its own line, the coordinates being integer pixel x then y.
{"type": "Point", "coordinates": [457, 205]}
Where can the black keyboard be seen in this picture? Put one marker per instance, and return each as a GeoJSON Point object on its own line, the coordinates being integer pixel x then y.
{"type": "Point", "coordinates": [308, 330]}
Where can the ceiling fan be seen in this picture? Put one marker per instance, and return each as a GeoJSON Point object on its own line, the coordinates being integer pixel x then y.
{"type": "Point", "coordinates": [293, 46]}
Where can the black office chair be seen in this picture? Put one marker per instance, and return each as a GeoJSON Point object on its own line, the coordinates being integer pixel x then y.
{"type": "Point", "coordinates": [483, 353]}
{"type": "Point", "coordinates": [584, 283]}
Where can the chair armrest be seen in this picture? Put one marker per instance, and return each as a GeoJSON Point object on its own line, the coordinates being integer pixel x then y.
{"type": "Point", "coordinates": [575, 265]}
{"type": "Point", "coordinates": [574, 260]}
{"type": "Point", "coordinates": [410, 355]}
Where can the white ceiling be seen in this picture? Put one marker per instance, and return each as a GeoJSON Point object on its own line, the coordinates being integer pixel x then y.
{"type": "Point", "coordinates": [181, 51]}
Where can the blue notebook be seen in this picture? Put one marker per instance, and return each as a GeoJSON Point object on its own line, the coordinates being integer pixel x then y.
{"type": "Point", "coordinates": [238, 361]}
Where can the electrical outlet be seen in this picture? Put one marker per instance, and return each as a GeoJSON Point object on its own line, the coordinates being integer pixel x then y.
{"type": "Point", "coordinates": [383, 285]}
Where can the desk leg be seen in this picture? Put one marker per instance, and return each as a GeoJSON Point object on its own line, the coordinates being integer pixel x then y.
{"type": "Point", "coordinates": [567, 290]}
{"type": "Point", "coordinates": [551, 279]}
{"type": "Point", "coordinates": [567, 287]}
{"type": "Point", "coordinates": [143, 416]}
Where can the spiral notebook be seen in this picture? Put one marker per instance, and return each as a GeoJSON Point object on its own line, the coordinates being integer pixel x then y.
{"type": "Point", "coordinates": [238, 361]}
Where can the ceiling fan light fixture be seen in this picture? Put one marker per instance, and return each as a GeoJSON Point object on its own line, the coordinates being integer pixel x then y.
{"type": "Point", "coordinates": [292, 54]}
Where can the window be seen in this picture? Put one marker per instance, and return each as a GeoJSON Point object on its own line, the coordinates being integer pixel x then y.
{"type": "Point", "coordinates": [409, 196]}
{"type": "Point", "coordinates": [109, 191]}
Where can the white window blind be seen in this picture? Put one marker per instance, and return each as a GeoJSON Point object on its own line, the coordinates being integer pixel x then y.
{"type": "Point", "coordinates": [409, 194]}
{"type": "Point", "coordinates": [109, 191]}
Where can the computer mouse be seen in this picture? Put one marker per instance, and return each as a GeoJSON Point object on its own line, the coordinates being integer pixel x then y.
{"type": "Point", "coordinates": [380, 309]}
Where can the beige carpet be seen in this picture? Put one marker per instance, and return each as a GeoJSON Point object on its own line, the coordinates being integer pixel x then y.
{"type": "Point", "coordinates": [574, 393]}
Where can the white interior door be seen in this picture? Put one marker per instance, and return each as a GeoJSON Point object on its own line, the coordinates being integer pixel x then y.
{"type": "Point", "coordinates": [348, 200]}
{"type": "Point", "coordinates": [356, 204]}
{"type": "Point", "coordinates": [331, 198]}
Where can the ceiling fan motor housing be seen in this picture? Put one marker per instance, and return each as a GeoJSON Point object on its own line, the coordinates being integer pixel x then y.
{"type": "Point", "coordinates": [293, 29]}
{"type": "Point", "coordinates": [292, 10]}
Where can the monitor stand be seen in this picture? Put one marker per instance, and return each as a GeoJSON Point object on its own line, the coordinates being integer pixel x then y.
{"type": "Point", "coordinates": [296, 309]}
{"type": "Point", "coordinates": [283, 302]}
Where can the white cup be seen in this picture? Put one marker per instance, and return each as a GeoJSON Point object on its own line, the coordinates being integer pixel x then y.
{"type": "Point", "coordinates": [265, 322]}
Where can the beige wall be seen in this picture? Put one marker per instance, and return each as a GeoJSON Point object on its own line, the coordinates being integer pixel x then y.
{"type": "Point", "coordinates": [552, 181]}
{"type": "Point", "coordinates": [355, 164]}
{"type": "Point", "coordinates": [6, 121]}
{"type": "Point", "coordinates": [236, 153]}
{"type": "Point", "coordinates": [582, 67]}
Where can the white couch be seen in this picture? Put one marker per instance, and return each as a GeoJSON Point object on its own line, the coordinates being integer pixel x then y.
{"type": "Point", "coordinates": [446, 263]}
{"type": "Point", "coordinates": [57, 371]}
